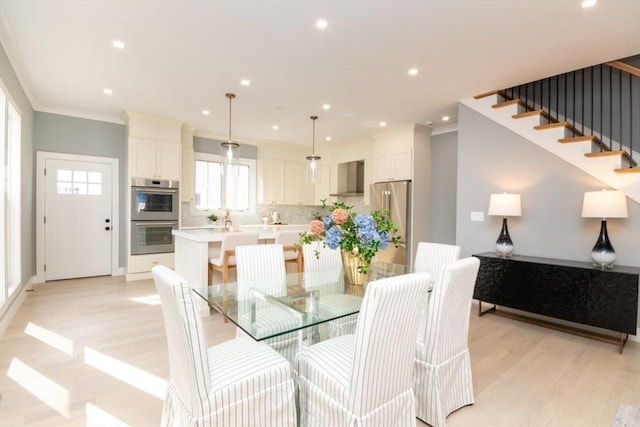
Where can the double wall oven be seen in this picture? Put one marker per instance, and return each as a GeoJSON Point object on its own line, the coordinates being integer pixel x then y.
{"type": "Point", "coordinates": [155, 205]}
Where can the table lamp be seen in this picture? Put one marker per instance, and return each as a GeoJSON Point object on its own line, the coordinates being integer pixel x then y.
{"type": "Point", "coordinates": [604, 204]}
{"type": "Point", "coordinates": [504, 205]}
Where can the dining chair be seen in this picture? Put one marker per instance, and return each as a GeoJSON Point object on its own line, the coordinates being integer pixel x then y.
{"type": "Point", "coordinates": [237, 383]}
{"type": "Point", "coordinates": [366, 379]}
{"type": "Point", "coordinates": [290, 240]}
{"type": "Point", "coordinates": [322, 272]}
{"type": "Point", "coordinates": [318, 256]}
{"type": "Point", "coordinates": [442, 371]}
{"type": "Point", "coordinates": [431, 257]}
{"type": "Point", "coordinates": [262, 267]}
{"type": "Point", "coordinates": [226, 259]}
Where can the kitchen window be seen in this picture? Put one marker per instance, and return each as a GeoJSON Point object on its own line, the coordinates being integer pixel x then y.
{"type": "Point", "coordinates": [10, 139]}
{"type": "Point", "coordinates": [216, 188]}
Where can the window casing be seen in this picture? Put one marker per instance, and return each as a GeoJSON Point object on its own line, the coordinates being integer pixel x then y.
{"type": "Point", "coordinates": [218, 189]}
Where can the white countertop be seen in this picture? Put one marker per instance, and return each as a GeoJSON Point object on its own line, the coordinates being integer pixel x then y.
{"type": "Point", "coordinates": [215, 234]}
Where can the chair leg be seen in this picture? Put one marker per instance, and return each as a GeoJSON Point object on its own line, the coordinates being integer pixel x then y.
{"type": "Point", "coordinates": [210, 275]}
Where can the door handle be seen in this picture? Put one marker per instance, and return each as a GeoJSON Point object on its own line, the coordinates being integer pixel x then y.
{"type": "Point", "coordinates": [107, 220]}
{"type": "Point", "coordinates": [107, 228]}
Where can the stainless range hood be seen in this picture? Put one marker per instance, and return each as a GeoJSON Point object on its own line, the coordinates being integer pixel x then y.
{"type": "Point", "coordinates": [350, 179]}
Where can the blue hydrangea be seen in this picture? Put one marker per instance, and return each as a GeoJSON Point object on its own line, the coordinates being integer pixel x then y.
{"type": "Point", "coordinates": [333, 237]}
{"type": "Point", "coordinates": [384, 239]}
{"type": "Point", "coordinates": [327, 222]}
{"type": "Point", "coordinates": [366, 230]}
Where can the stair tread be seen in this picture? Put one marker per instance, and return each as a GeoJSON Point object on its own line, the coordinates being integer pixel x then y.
{"type": "Point", "coordinates": [628, 170]}
{"type": "Point", "coordinates": [584, 138]}
{"type": "Point", "coordinates": [527, 114]}
{"type": "Point", "coordinates": [551, 126]}
{"type": "Point", "coordinates": [484, 95]}
{"type": "Point", "coordinates": [507, 103]}
{"type": "Point", "coordinates": [606, 153]}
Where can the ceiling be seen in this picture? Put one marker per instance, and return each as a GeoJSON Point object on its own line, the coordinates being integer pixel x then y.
{"type": "Point", "coordinates": [181, 57]}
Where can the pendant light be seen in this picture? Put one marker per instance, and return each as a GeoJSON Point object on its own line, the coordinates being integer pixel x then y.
{"type": "Point", "coordinates": [229, 149]}
{"type": "Point", "coordinates": [313, 169]}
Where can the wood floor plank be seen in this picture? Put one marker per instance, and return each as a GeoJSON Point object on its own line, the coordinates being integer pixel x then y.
{"type": "Point", "coordinates": [94, 352]}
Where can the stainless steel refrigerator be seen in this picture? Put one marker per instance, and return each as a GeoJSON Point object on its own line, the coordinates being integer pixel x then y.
{"type": "Point", "coordinates": [396, 197]}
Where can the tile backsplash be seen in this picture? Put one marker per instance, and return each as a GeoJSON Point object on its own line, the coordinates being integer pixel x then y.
{"type": "Point", "coordinates": [290, 214]}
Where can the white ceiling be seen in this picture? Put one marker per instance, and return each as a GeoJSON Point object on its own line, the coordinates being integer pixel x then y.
{"type": "Point", "coordinates": [183, 56]}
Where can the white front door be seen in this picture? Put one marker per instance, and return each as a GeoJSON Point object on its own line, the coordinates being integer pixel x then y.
{"type": "Point", "coordinates": [78, 219]}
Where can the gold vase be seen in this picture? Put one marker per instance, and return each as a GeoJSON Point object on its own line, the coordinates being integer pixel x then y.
{"type": "Point", "coordinates": [352, 264]}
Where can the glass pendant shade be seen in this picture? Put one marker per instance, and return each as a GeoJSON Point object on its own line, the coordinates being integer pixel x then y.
{"type": "Point", "coordinates": [313, 161]}
{"type": "Point", "coordinates": [229, 149]}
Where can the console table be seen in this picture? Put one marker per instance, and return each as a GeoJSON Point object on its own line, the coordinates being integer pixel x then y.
{"type": "Point", "coordinates": [569, 290]}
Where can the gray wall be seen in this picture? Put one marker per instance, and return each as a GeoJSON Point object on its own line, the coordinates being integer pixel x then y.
{"type": "Point", "coordinates": [72, 135]}
{"type": "Point", "coordinates": [444, 152]}
{"type": "Point", "coordinates": [27, 226]}
{"type": "Point", "coordinates": [492, 159]}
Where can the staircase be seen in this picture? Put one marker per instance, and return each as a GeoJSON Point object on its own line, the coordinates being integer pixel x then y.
{"type": "Point", "coordinates": [615, 165]}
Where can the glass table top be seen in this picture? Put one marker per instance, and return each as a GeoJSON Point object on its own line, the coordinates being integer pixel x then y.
{"type": "Point", "coordinates": [268, 308]}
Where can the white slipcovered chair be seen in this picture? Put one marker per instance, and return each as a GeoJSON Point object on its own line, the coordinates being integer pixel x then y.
{"type": "Point", "coordinates": [230, 384]}
{"type": "Point", "coordinates": [263, 266]}
{"type": "Point", "coordinates": [318, 256]}
{"type": "Point", "coordinates": [322, 267]}
{"type": "Point", "coordinates": [431, 257]}
{"type": "Point", "coordinates": [442, 371]}
{"type": "Point", "coordinates": [226, 259]}
{"type": "Point", "coordinates": [290, 239]}
{"type": "Point", "coordinates": [366, 379]}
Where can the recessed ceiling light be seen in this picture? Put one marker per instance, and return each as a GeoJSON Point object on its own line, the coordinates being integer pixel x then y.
{"type": "Point", "coordinates": [382, 124]}
{"type": "Point", "coordinates": [275, 127]}
{"type": "Point", "coordinates": [413, 71]}
{"type": "Point", "coordinates": [445, 118]}
{"type": "Point", "coordinates": [118, 44]}
{"type": "Point", "coordinates": [205, 112]}
{"type": "Point", "coordinates": [107, 91]}
{"type": "Point", "coordinates": [326, 106]}
{"type": "Point", "coordinates": [245, 82]}
{"type": "Point", "coordinates": [321, 24]}
{"type": "Point", "coordinates": [589, 3]}
{"type": "Point", "coordinates": [327, 138]}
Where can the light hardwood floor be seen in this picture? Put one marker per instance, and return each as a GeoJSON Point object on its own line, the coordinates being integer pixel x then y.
{"type": "Point", "coordinates": [92, 352]}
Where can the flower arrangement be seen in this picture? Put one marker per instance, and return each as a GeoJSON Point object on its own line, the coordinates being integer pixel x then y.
{"type": "Point", "coordinates": [361, 235]}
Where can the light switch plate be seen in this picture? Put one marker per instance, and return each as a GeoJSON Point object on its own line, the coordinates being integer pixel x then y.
{"type": "Point", "coordinates": [477, 216]}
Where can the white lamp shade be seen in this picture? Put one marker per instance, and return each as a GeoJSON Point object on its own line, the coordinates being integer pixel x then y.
{"type": "Point", "coordinates": [604, 204]}
{"type": "Point", "coordinates": [505, 204]}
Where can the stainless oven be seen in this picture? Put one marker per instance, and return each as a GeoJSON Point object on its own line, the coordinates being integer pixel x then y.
{"type": "Point", "coordinates": [154, 199]}
{"type": "Point", "coordinates": [152, 237]}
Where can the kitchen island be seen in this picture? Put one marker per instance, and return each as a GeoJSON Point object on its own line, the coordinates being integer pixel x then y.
{"type": "Point", "coordinates": [194, 247]}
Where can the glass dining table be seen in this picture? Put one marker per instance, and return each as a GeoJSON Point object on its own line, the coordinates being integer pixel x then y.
{"type": "Point", "coordinates": [303, 302]}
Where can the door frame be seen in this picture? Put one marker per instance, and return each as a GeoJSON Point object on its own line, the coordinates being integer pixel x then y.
{"type": "Point", "coordinates": [41, 158]}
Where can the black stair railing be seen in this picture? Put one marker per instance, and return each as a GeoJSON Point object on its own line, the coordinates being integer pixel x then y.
{"type": "Point", "coordinates": [602, 101]}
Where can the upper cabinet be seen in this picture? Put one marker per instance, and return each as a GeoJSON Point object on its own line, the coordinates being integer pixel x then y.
{"type": "Point", "coordinates": [155, 148]}
{"type": "Point", "coordinates": [392, 162]}
{"type": "Point", "coordinates": [270, 181]}
{"type": "Point", "coordinates": [297, 191]}
{"type": "Point", "coordinates": [149, 159]}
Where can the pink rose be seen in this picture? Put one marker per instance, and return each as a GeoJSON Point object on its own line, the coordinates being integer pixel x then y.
{"type": "Point", "coordinates": [316, 227]}
{"type": "Point", "coordinates": [339, 216]}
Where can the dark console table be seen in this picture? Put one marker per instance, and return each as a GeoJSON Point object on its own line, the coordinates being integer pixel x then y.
{"type": "Point", "coordinates": [569, 290]}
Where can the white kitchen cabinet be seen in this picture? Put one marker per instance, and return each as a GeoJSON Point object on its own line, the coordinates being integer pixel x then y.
{"type": "Point", "coordinates": [150, 159]}
{"type": "Point", "coordinates": [140, 265]}
{"type": "Point", "coordinates": [297, 191]}
{"type": "Point", "coordinates": [270, 181]}
{"type": "Point", "coordinates": [392, 165]}
{"type": "Point", "coordinates": [323, 188]}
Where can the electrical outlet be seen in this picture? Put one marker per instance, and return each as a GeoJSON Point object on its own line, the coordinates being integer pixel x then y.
{"type": "Point", "coordinates": [477, 216]}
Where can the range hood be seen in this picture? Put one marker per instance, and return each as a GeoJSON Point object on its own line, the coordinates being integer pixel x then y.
{"type": "Point", "coordinates": [350, 179]}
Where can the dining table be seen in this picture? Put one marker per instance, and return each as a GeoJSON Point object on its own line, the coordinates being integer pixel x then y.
{"type": "Point", "coordinates": [306, 302]}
